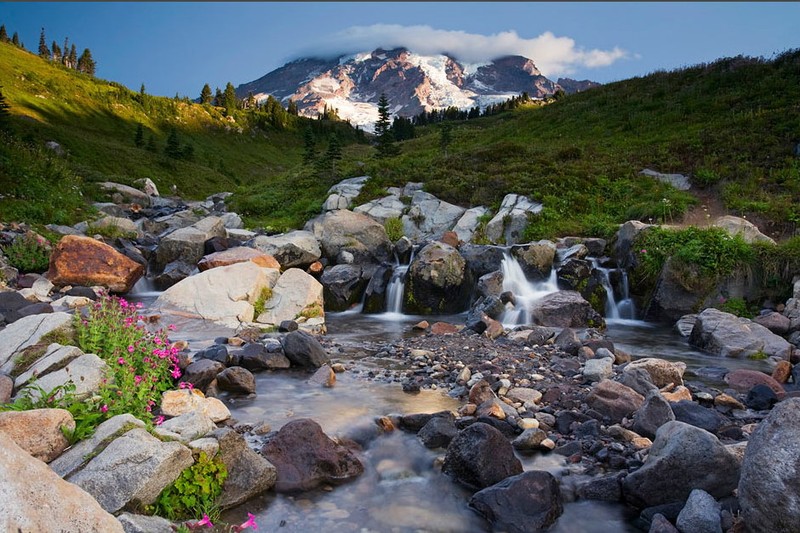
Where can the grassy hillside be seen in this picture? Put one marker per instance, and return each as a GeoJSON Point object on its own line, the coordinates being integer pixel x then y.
{"type": "Point", "coordinates": [95, 122]}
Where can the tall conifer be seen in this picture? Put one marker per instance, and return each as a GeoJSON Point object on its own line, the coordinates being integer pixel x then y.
{"type": "Point", "coordinates": [44, 51]}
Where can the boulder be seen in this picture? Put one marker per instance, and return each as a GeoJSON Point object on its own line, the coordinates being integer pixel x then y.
{"type": "Point", "coordinates": [769, 487]}
{"type": "Point", "coordinates": [342, 286]}
{"type": "Point", "coordinates": [186, 427]}
{"type": "Point", "coordinates": [679, 181]}
{"type": "Point", "coordinates": [224, 295]}
{"type": "Point", "coordinates": [739, 226]}
{"type": "Point", "coordinates": [302, 349]}
{"type": "Point", "coordinates": [685, 324]}
{"type": "Point", "coordinates": [623, 243]}
{"type": "Point", "coordinates": [117, 226]}
{"type": "Point", "coordinates": [178, 402]}
{"type": "Point", "coordinates": [36, 499]}
{"type": "Point", "coordinates": [127, 193]}
{"type": "Point", "coordinates": [614, 400]}
{"type": "Point", "coordinates": [438, 281]}
{"type": "Point", "coordinates": [132, 470]}
{"type": "Point", "coordinates": [255, 357]}
{"type": "Point", "coordinates": [775, 322]}
{"type": "Point", "coordinates": [55, 356]}
{"type": "Point", "coordinates": [661, 371]}
{"type": "Point", "coordinates": [356, 233]}
{"type": "Point", "coordinates": [305, 457]}
{"type": "Point", "coordinates": [85, 261]}
{"type": "Point", "coordinates": [700, 514]}
{"type": "Point", "coordinates": [187, 244]}
{"type": "Point", "coordinates": [566, 309]}
{"type": "Point", "coordinates": [509, 223]}
{"type": "Point", "coordinates": [382, 209]}
{"type": "Point", "coordinates": [654, 413]}
{"type": "Point", "coordinates": [469, 223]}
{"type": "Point", "coordinates": [429, 217]}
{"type": "Point", "coordinates": [249, 474]}
{"type": "Point", "coordinates": [239, 254]}
{"type": "Point", "coordinates": [292, 250]}
{"type": "Point", "coordinates": [530, 501]}
{"type": "Point", "coordinates": [173, 272]}
{"type": "Point", "coordinates": [87, 372]}
{"type": "Point", "coordinates": [724, 334]}
{"type": "Point", "coordinates": [341, 195]}
{"type": "Point", "coordinates": [139, 523]}
{"type": "Point", "coordinates": [202, 372]}
{"type": "Point", "coordinates": [535, 259]}
{"type": "Point", "coordinates": [490, 284]}
{"type": "Point", "coordinates": [480, 456]}
{"type": "Point", "coordinates": [296, 294]}
{"type": "Point", "coordinates": [38, 431]}
{"type": "Point", "coordinates": [237, 379]}
{"type": "Point", "coordinates": [681, 459]}
{"type": "Point", "coordinates": [695, 414]}
{"type": "Point", "coordinates": [482, 259]}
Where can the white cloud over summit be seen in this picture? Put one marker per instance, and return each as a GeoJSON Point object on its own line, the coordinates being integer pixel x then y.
{"type": "Point", "coordinates": [554, 56]}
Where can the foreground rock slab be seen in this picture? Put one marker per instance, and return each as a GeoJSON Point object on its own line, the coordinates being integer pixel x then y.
{"type": "Point", "coordinates": [87, 262]}
{"type": "Point", "coordinates": [38, 431]}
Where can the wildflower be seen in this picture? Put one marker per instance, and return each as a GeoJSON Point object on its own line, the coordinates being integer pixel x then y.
{"type": "Point", "coordinates": [176, 372]}
{"type": "Point", "coordinates": [130, 348]}
{"type": "Point", "coordinates": [185, 385]}
{"type": "Point", "coordinates": [206, 521]}
{"type": "Point", "coordinates": [250, 523]}
{"type": "Point", "coordinates": [137, 379]}
{"type": "Point", "coordinates": [157, 340]}
{"type": "Point", "coordinates": [121, 360]}
{"type": "Point", "coordinates": [104, 408]}
{"type": "Point", "coordinates": [139, 305]}
{"type": "Point", "coordinates": [172, 327]}
{"type": "Point", "coordinates": [644, 251]}
{"type": "Point", "coordinates": [159, 420]}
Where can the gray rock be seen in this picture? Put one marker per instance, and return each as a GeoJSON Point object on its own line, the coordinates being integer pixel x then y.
{"type": "Point", "coordinates": [186, 427]}
{"type": "Point", "coordinates": [201, 373]}
{"type": "Point", "coordinates": [133, 469]}
{"type": "Point", "coordinates": [739, 226]}
{"type": "Point", "coordinates": [697, 415]}
{"type": "Point", "coordinates": [293, 249]}
{"type": "Point", "coordinates": [342, 286]}
{"type": "Point", "coordinates": [523, 503]}
{"type": "Point", "coordinates": [775, 322]}
{"type": "Point", "coordinates": [685, 324]}
{"type": "Point", "coordinates": [358, 234]}
{"type": "Point", "coordinates": [28, 331]}
{"type": "Point", "coordinates": [769, 488]}
{"type": "Point", "coordinates": [700, 514]}
{"type": "Point", "coordinates": [566, 309]}
{"type": "Point", "coordinates": [137, 523]}
{"type": "Point", "coordinates": [429, 217]}
{"type": "Point", "coordinates": [679, 181]}
{"type": "Point", "coordinates": [237, 379]}
{"type": "Point", "coordinates": [623, 249]}
{"type": "Point", "coordinates": [480, 456]}
{"type": "Point", "coordinates": [662, 372]}
{"type": "Point", "coordinates": [87, 372]}
{"type": "Point", "coordinates": [469, 223]}
{"type": "Point", "coordinates": [639, 380]}
{"type": "Point", "coordinates": [535, 259]}
{"type": "Point", "coordinates": [614, 400]}
{"type": "Point", "coordinates": [727, 335]}
{"type": "Point", "coordinates": [56, 356]}
{"type": "Point", "coordinates": [438, 281]}
{"type": "Point", "coordinates": [187, 244]}
{"type": "Point", "coordinates": [490, 284]}
{"type": "Point", "coordinates": [606, 488]}
{"type": "Point", "coordinates": [481, 259]}
{"type": "Point", "coordinates": [302, 349]}
{"type": "Point", "coordinates": [438, 432]}
{"type": "Point", "coordinates": [654, 413]}
{"type": "Point", "coordinates": [509, 223]}
{"type": "Point", "coordinates": [249, 474]}
{"type": "Point", "coordinates": [598, 369]}
{"type": "Point", "coordinates": [382, 209]}
{"type": "Point", "coordinates": [530, 440]}
{"type": "Point", "coordinates": [682, 458]}
{"type": "Point", "coordinates": [341, 195]}
{"type": "Point", "coordinates": [294, 293]}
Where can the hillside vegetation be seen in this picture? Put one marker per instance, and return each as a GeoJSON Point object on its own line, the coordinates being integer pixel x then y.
{"type": "Point", "coordinates": [732, 126]}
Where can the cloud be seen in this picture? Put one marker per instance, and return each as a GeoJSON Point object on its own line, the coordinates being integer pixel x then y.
{"type": "Point", "coordinates": [553, 55]}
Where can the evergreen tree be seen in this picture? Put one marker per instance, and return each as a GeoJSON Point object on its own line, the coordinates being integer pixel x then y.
{"type": "Point", "coordinates": [65, 53]}
{"type": "Point", "coordinates": [383, 130]}
{"type": "Point", "coordinates": [229, 99]}
{"type": "Point", "coordinates": [309, 145]}
{"type": "Point", "coordinates": [56, 52]}
{"type": "Point", "coordinates": [445, 136]}
{"type": "Point", "coordinates": [151, 144]}
{"type": "Point", "coordinates": [138, 140]}
{"type": "Point", "coordinates": [15, 40]}
{"type": "Point", "coordinates": [251, 101]}
{"type": "Point", "coordinates": [333, 154]}
{"type": "Point", "coordinates": [3, 34]}
{"type": "Point", "coordinates": [205, 95]}
{"type": "Point", "coordinates": [218, 98]}
{"type": "Point", "coordinates": [86, 64]}
{"type": "Point", "coordinates": [44, 51]}
{"type": "Point", "coordinates": [173, 148]}
{"type": "Point", "coordinates": [73, 57]}
{"type": "Point", "coordinates": [292, 109]}
{"type": "Point", "coordinates": [142, 91]}
{"type": "Point", "coordinates": [5, 116]}
{"type": "Point", "coordinates": [188, 152]}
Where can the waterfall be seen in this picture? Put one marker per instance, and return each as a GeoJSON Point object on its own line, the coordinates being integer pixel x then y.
{"type": "Point", "coordinates": [525, 292]}
{"type": "Point", "coordinates": [397, 286]}
{"type": "Point", "coordinates": [616, 309]}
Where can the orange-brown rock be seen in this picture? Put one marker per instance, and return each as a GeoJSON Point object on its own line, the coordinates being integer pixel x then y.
{"type": "Point", "coordinates": [443, 328]}
{"type": "Point", "coordinates": [451, 238]}
{"type": "Point", "coordinates": [240, 254]}
{"type": "Point", "coordinates": [782, 372]}
{"type": "Point", "coordinates": [316, 268]}
{"type": "Point", "coordinates": [85, 261]}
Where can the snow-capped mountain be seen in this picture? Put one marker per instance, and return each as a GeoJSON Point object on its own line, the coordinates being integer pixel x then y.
{"type": "Point", "coordinates": [412, 83]}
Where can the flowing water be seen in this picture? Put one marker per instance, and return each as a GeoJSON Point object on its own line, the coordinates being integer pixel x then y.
{"type": "Point", "coordinates": [400, 490]}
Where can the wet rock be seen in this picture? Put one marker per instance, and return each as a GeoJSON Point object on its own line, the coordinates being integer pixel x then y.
{"type": "Point", "coordinates": [302, 349]}
{"type": "Point", "coordinates": [36, 499]}
{"type": "Point", "coordinates": [685, 324]}
{"type": "Point", "coordinates": [237, 379]}
{"type": "Point", "coordinates": [526, 502]}
{"type": "Point", "coordinates": [438, 431]}
{"type": "Point", "coordinates": [249, 474]}
{"type": "Point", "coordinates": [682, 458]}
{"type": "Point", "coordinates": [201, 373]}
{"type": "Point", "coordinates": [305, 457]}
{"type": "Point", "coordinates": [295, 249]}
{"type": "Point", "coordinates": [654, 413]}
{"type": "Point", "coordinates": [86, 261]}
{"type": "Point", "coordinates": [324, 376]}
{"type": "Point", "coordinates": [695, 414]}
{"type": "Point", "coordinates": [529, 440]}
{"type": "Point", "coordinates": [662, 372]}
{"type": "Point", "coordinates": [480, 456]}
{"type": "Point", "coordinates": [614, 400]}
{"type": "Point", "coordinates": [38, 431]}
{"type": "Point", "coordinates": [606, 488]}
{"type": "Point", "coordinates": [438, 281]}
{"type": "Point", "coordinates": [174, 272]}
{"type": "Point", "coordinates": [216, 352]}
{"type": "Point", "coordinates": [727, 335]}
{"type": "Point", "coordinates": [700, 514]}
{"type": "Point", "coordinates": [482, 259]}
{"type": "Point", "coordinates": [535, 259]}
{"type": "Point", "coordinates": [566, 309]}
{"type": "Point", "coordinates": [342, 286]}
{"type": "Point", "coordinates": [742, 380]}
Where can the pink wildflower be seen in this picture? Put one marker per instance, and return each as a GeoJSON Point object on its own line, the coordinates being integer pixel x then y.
{"type": "Point", "coordinates": [176, 372]}
{"type": "Point", "coordinates": [250, 523]}
{"type": "Point", "coordinates": [159, 420]}
{"type": "Point", "coordinates": [172, 327]}
{"type": "Point", "coordinates": [137, 379]}
{"type": "Point", "coordinates": [104, 408]}
{"type": "Point", "coordinates": [131, 348]}
{"type": "Point", "coordinates": [123, 303]}
{"type": "Point", "coordinates": [139, 305]}
{"type": "Point", "coordinates": [157, 340]}
{"type": "Point", "coordinates": [185, 385]}
{"type": "Point", "coordinates": [206, 521]}
{"type": "Point", "coordinates": [644, 251]}
{"type": "Point", "coordinates": [121, 360]}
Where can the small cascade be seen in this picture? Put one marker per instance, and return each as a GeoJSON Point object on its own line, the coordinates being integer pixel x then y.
{"type": "Point", "coordinates": [525, 292]}
{"type": "Point", "coordinates": [397, 286]}
{"type": "Point", "coordinates": [622, 309]}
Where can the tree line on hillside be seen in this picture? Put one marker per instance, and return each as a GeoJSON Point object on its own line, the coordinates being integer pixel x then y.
{"type": "Point", "coordinates": [66, 56]}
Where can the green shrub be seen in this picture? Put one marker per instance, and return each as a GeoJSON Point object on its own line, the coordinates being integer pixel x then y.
{"type": "Point", "coordinates": [705, 177]}
{"type": "Point", "coordinates": [194, 492]}
{"type": "Point", "coordinates": [263, 298]}
{"type": "Point", "coordinates": [735, 306]}
{"type": "Point", "coordinates": [394, 228]}
{"type": "Point", "coordinates": [28, 253]}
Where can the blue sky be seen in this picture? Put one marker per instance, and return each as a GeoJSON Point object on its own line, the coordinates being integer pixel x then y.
{"type": "Point", "coordinates": [177, 47]}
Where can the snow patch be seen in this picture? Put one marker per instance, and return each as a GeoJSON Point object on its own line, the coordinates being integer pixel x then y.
{"type": "Point", "coordinates": [444, 93]}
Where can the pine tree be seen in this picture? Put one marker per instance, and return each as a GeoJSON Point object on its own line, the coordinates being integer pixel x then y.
{"type": "Point", "coordinates": [44, 51]}
{"type": "Point", "coordinates": [56, 52]}
{"type": "Point", "coordinates": [292, 109]}
{"type": "Point", "coordinates": [86, 64]}
{"type": "Point", "coordinates": [383, 130]}
{"type": "Point", "coordinates": [15, 40]}
{"type": "Point", "coordinates": [333, 154]}
{"type": "Point", "coordinates": [218, 98]}
{"type": "Point", "coordinates": [229, 99]}
{"type": "Point", "coordinates": [309, 145]}
{"type": "Point", "coordinates": [65, 53]}
{"type": "Point", "coordinates": [5, 116]}
{"type": "Point", "coordinates": [445, 137]}
{"type": "Point", "coordinates": [142, 91]}
{"type": "Point", "coordinates": [3, 34]}
{"type": "Point", "coordinates": [139, 139]}
{"type": "Point", "coordinates": [73, 57]}
{"type": "Point", "coordinates": [151, 144]}
{"type": "Point", "coordinates": [173, 148]}
{"type": "Point", "coordinates": [205, 95]}
{"type": "Point", "coordinates": [250, 103]}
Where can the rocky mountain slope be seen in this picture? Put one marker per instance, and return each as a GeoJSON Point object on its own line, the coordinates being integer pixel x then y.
{"type": "Point", "coordinates": [412, 83]}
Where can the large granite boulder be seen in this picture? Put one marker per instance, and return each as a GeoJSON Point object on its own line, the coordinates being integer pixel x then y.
{"type": "Point", "coordinates": [682, 458]}
{"type": "Point", "coordinates": [509, 223]}
{"type": "Point", "coordinates": [382, 209]}
{"type": "Point", "coordinates": [38, 431]}
{"type": "Point", "coordinates": [224, 295]}
{"type": "Point", "coordinates": [249, 474]}
{"type": "Point", "coordinates": [358, 234]}
{"type": "Point", "coordinates": [535, 258]}
{"type": "Point", "coordinates": [530, 501]}
{"type": "Point", "coordinates": [296, 294]}
{"type": "Point", "coordinates": [566, 309]}
{"type": "Point", "coordinates": [239, 254]}
{"type": "Point", "coordinates": [36, 499]}
{"type": "Point", "coordinates": [480, 456]}
{"type": "Point", "coordinates": [305, 457]}
{"type": "Point", "coordinates": [438, 281]}
{"type": "Point", "coordinates": [342, 286]}
{"type": "Point", "coordinates": [469, 223]}
{"type": "Point", "coordinates": [341, 195]}
{"type": "Point", "coordinates": [614, 400]}
{"type": "Point", "coordinates": [187, 244]}
{"type": "Point", "coordinates": [87, 372]}
{"type": "Point", "coordinates": [87, 262]}
{"type": "Point", "coordinates": [429, 217]}
{"type": "Point", "coordinates": [292, 249]}
{"type": "Point", "coordinates": [132, 470]}
{"type": "Point", "coordinates": [28, 331]}
{"type": "Point", "coordinates": [769, 487]}
{"type": "Point", "coordinates": [121, 226]}
{"type": "Point", "coordinates": [740, 226]}
{"type": "Point", "coordinates": [724, 334]}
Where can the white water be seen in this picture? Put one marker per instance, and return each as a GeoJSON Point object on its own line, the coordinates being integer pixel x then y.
{"type": "Point", "coordinates": [525, 292]}
{"type": "Point", "coordinates": [396, 288]}
{"type": "Point", "coordinates": [623, 309]}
